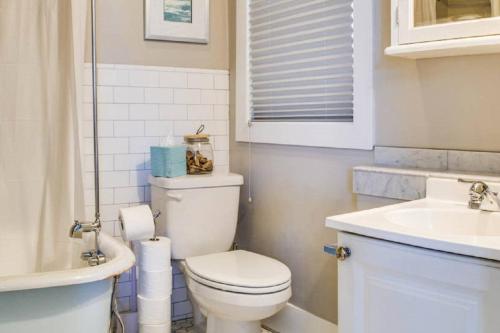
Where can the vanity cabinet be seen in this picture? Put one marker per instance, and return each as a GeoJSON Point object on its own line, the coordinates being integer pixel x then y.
{"type": "Point", "coordinates": [386, 287]}
{"type": "Point", "coordinates": [434, 28]}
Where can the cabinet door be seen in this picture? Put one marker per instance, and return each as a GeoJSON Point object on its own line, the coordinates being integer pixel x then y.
{"type": "Point", "coordinates": [432, 20]}
{"type": "Point", "coordinates": [392, 288]}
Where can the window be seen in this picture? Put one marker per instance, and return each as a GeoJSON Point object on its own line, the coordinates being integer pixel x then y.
{"type": "Point", "coordinates": [304, 72]}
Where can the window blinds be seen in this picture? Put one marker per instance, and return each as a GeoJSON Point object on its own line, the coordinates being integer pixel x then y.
{"type": "Point", "coordinates": [301, 60]}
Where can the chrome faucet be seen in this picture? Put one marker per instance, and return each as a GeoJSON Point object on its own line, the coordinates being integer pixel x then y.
{"type": "Point", "coordinates": [478, 192]}
{"type": "Point", "coordinates": [93, 257]}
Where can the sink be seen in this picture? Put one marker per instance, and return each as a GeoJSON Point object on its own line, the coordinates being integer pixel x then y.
{"type": "Point", "coordinates": [449, 222]}
{"type": "Point", "coordinates": [441, 221]}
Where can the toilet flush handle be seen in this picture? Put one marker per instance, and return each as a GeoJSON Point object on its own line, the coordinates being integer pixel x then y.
{"type": "Point", "coordinates": [174, 196]}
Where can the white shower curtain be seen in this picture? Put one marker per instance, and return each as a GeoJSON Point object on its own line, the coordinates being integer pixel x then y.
{"type": "Point", "coordinates": [425, 12]}
{"type": "Point", "coordinates": [41, 66]}
{"type": "Point", "coordinates": [495, 7]}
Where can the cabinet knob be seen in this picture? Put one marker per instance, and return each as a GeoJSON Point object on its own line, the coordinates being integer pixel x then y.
{"type": "Point", "coordinates": [340, 252]}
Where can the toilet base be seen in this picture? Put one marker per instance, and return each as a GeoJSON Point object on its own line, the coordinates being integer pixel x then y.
{"type": "Point", "coordinates": [219, 325]}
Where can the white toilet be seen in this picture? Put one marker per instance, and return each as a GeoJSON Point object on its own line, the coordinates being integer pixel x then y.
{"type": "Point", "coordinates": [235, 290]}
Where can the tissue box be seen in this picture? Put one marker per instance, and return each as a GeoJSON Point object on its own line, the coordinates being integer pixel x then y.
{"type": "Point", "coordinates": [168, 161]}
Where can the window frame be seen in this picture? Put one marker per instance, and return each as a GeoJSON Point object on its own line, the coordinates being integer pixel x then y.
{"type": "Point", "coordinates": [353, 135]}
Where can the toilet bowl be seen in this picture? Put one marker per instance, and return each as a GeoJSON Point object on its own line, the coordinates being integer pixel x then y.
{"type": "Point", "coordinates": [235, 290]}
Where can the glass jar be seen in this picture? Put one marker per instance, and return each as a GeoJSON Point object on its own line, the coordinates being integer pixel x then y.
{"type": "Point", "coordinates": [199, 154]}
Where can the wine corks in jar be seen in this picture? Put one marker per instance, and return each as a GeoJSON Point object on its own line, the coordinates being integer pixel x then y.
{"type": "Point", "coordinates": [199, 154]}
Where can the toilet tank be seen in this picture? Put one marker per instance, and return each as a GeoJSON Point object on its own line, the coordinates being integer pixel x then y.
{"type": "Point", "coordinates": [198, 213]}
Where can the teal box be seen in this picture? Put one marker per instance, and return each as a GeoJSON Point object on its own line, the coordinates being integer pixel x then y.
{"type": "Point", "coordinates": [168, 161]}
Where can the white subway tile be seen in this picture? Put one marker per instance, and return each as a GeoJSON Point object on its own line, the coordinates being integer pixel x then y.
{"type": "Point", "coordinates": [112, 112]}
{"type": "Point", "coordinates": [159, 95]}
{"type": "Point", "coordinates": [129, 128]}
{"type": "Point", "coordinates": [173, 112]}
{"type": "Point", "coordinates": [200, 81]}
{"type": "Point", "coordinates": [124, 289]}
{"type": "Point", "coordinates": [186, 127]}
{"type": "Point", "coordinates": [221, 112]}
{"type": "Point", "coordinates": [129, 162]}
{"type": "Point", "coordinates": [179, 281]}
{"type": "Point", "coordinates": [104, 94]}
{"type": "Point", "coordinates": [221, 157]}
{"type": "Point", "coordinates": [141, 145]}
{"type": "Point", "coordinates": [106, 196]}
{"type": "Point", "coordinates": [110, 179]}
{"type": "Point", "coordinates": [139, 178]}
{"type": "Point", "coordinates": [121, 77]}
{"type": "Point", "coordinates": [129, 95]}
{"type": "Point", "coordinates": [147, 193]}
{"type": "Point", "coordinates": [87, 76]}
{"type": "Point", "coordinates": [105, 129]}
{"type": "Point", "coordinates": [143, 112]}
{"type": "Point", "coordinates": [221, 81]}
{"type": "Point", "coordinates": [108, 227]}
{"type": "Point", "coordinates": [222, 97]}
{"type": "Point", "coordinates": [113, 145]}
{"type": "Point", "coordinates": [123, 304]}
{"type": "Point", "coordinates": [144, 78]}
{"type": "Point", "coordinates": [182, 308]}
{"type": "Point", "coordinates": [129, 194]}
{"type": "Point", "coordinates": [159, 128]}
{"type": "Point", "coordinates": [179, 295]}
{"type": "Point", "coordinates": [200, 112]}
{"type": "Point", "coordinates": [106, 77]}
{"type": "Point", "coordinates": [208, 97]}
{"type": "Point", "coordinates": [187, 96]}
{"type": "Point", "coordinates": [87, 111]}
{"type": "Point", "coordinates": [173, 79]}
{"type": "Point", "coordinates": [216, 127]}
{"type": "Point", "coordinates": [105, 163]}
{"type": "Point", "coordinates": [110, 212]}
{"type": "Point", "coordinates": [221, 142]}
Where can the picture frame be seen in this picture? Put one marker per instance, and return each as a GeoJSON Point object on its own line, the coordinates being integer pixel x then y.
{"type": "Point", "coordinates": [177, 20]}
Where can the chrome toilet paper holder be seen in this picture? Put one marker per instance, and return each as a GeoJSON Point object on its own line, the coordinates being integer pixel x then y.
{"type": "Point", "coordinates": [156, 215]}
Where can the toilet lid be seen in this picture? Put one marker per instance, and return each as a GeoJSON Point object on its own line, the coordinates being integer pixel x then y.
{"type": "Point", "coordinates": [240, 269]}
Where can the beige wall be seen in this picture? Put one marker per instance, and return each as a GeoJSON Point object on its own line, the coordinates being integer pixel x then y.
{"type": "Point", "coordinates": [437, 103]}
{"type": "Point", "coordinates": [121, 39]}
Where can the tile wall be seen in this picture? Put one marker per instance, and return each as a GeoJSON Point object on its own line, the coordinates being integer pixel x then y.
{"type": "Point", "coordinates": [138, 105]}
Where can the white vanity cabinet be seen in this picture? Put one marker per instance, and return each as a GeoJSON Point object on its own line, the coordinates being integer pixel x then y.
{"type": "Point", "coordinates": [435, 28]}
{"type": "Point", "coordinates": [386, 287]}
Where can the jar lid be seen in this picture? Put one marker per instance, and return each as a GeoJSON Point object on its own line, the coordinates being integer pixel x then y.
{"type": "Point", "coordinates": [196, 138]}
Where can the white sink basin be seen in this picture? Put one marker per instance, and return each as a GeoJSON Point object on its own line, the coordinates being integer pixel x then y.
{"type": "Point", "coordinates": [448, 222]}
{"type": "Point", "coordinates": [442, 221]}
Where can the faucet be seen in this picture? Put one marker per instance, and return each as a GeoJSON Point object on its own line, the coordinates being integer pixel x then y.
{"type": "Point", "coordinates": [93, 257]}
{"type": "Point", "coordinates": [478, 192]}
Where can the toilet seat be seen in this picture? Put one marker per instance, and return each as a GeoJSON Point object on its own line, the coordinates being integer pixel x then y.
{"type": "Point", "coordinates": [239, 272]}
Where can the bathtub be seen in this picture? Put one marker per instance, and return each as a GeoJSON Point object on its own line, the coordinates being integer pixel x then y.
{"type": "Point", "coordinates": [68, 297]}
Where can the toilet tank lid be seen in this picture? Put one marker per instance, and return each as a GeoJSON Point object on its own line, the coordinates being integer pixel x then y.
{"type": "Point", "coordinates": [197, 181]}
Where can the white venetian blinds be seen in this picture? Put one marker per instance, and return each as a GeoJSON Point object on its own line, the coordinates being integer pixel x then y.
{"type": "Point", "coordinates": [301, 60]}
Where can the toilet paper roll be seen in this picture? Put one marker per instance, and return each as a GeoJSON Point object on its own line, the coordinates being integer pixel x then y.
{"type": "Point", "coordinates": [144, 328]}
{"type": "Point", "coordinates": [156, 284]}
{"type": "Point", "coordinates": [136, 223]}
{"type": "Point", "coordinates": [153, 311]}
{"type": "Point", "coordinates": [155, 255]}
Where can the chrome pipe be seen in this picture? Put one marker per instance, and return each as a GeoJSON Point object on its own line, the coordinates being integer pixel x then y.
{"type": "Point", "coordinates": [95, 113]}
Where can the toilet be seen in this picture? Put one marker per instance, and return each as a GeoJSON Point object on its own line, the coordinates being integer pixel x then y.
{"type": "Point", "coordinates": [234, 290]}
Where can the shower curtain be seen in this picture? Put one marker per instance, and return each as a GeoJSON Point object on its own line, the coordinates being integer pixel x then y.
{"type": "Point", "coordinates": [425, 12]}
{"type": "Point", "coordinates": [41, 68]}
{"type": "Point", "coordinates": [495, 7]}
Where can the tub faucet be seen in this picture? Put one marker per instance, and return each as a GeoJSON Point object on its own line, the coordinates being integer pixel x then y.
{"type": "Point", "coordinates": [93, 257]}
{"type": "Point", "coordinates": [478, 192]}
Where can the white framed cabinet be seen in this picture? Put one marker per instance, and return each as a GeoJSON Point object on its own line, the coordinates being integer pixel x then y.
{"type": "Point", "coordinates": [387, 287]}
{"type": "Point", "coordinates": [434, 28]}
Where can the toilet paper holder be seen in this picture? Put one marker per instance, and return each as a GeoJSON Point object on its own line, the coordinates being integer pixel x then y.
{"type": "Point", "coordinates": [156, 215]}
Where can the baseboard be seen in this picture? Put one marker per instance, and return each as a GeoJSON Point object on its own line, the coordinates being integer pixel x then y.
{"type": "Point", "coordinates": [293, 319]}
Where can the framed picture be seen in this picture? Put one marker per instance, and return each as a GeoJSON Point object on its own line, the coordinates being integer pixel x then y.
{"type": "Point", "coordinates": [177, 20]}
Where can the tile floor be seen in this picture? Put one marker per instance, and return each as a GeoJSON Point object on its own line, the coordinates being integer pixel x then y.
{"type": "Point", "coordinates": [186, 326]}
